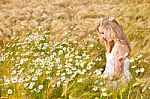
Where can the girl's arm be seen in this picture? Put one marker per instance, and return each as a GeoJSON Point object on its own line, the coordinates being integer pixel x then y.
{"type": "Point", "coordinates": [118, 60]}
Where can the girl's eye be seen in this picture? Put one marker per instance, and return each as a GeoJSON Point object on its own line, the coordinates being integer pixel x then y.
{"type": "Point", "coordinates": [102, 32]}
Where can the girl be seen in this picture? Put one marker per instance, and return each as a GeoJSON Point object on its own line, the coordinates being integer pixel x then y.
{"type": "Point", "coordinates": [118, 48]}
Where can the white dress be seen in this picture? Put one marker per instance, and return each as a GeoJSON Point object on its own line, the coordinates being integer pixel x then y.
{"type": "Point", "coordinates": [109, 69]}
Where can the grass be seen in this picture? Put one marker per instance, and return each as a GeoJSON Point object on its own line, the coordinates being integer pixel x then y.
{"type": "Point", "coordinates": [65, 59]}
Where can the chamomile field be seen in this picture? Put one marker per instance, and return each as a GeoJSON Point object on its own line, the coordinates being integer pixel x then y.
{"type": "Point", "coordinates": [49, 49]}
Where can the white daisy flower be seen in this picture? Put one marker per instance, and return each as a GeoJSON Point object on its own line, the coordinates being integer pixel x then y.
{"type": "Point", "coordinates": [80, 80]}
{"type": "Point", "coordinates": [142, 70]}
{"type": "Point", "coordinates": [97, 72]}
{"type": "Point", "coordinates": [139, 56]}
{"type": "Point", "coordinates": [7, 81]}
{"type": "Point", "coordinates": [47, 72]}
{"type": "Point", "coordinates": [53, 85]}
{"type": "Point", "coordinates": [137, 71]}
{"type": "Point", "coordinates": [95, 89]}
{"type": "Point", "coordinates": [14, 80]}
{"type": "Point", "coordinates": [25, 84]}
{"type": "Point", "coordinates": [98, 59]}
{"type": "Point", "coordinates": [49, 78]}
{"type": "Point", "coordinates": [91, 45]}
{"type": "Point", "coordinates": [137, 78]}
{"type": "Point", "coordinates": [34, 78]}
{"type": "Point", "coordinates": [31, 85]}
{"type": "Point", "coordinates": [82, 64]}
{"type": "Point", "coordinates": [131, 60]}
{"type": "Point", "coordinates": [28, 78]}
{"type": "Point", "coordinates": [101, 83]}
{"type": "Point", "coordinates": [103, 89]}
{"type": "Point", "coordinates": [9, 91]}
{"type": "Point", "coordinates": [104, 94]}
{"type": "Point", "coordinates": [38, 90]}
{"type": "Point", "coordinates": [62, 78]}
{"type": "Point", "coordinates": [133, 66]}
{"type": "Point", "coordinates": [58, 84]}
{"type": "Point", "coordinates": [20, 80]}
{"type": "Point", "coordinates": [88, 67]}
{"type": "Point", "coordinates": [40, 87]}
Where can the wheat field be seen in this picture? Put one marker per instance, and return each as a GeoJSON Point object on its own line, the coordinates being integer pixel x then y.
{"type": "Point", "coordinates": [49, 49]}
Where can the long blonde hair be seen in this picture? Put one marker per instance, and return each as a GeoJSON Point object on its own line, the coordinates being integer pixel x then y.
{"type": "Point", "coordinates": [117, 33]}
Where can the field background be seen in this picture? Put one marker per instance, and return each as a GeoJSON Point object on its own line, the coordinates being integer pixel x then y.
{"type": "Point", "coordinates": [77, 20]}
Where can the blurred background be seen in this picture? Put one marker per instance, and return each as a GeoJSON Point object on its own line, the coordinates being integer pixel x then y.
{"type": "Point", "coordinates": [75, 18]}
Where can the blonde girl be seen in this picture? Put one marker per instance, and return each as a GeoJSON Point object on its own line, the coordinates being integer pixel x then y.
{"type": "Point", "coordinates": [118, 48]}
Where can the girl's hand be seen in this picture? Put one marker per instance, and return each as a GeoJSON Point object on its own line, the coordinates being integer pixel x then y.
{"type": "Point", "coordinates": [102, 39]}
{"type": "Point", "coordinates": [119, 61]}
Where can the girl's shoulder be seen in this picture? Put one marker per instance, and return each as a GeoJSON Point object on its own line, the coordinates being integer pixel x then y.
{"type": "Point", "coordinates": [121, 47]}
{"type": "Point", "coordinates": [120, 50]}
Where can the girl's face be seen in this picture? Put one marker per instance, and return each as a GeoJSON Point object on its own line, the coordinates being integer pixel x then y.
{"type": "Point", "coordinates": [104, 33]}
